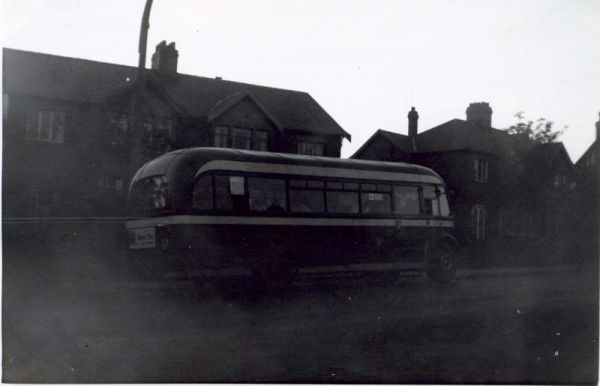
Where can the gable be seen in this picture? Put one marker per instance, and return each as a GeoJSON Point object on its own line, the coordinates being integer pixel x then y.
{"type": "Point", "coordinates": [245, 113]}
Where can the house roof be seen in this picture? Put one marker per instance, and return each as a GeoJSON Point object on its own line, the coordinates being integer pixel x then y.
{"type": "Point", "coordinates": [590, 150]}
{"type": "Point", "coordinates": [544, 155]}
{"type": "Point", "coordinates": [80, 80]}
{"type": "Point", "coordinates": [458, 134]}
{"type": "Point", "coordinates": [400, 141]}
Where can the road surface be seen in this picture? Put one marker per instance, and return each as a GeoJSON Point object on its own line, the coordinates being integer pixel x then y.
{"type": "Point", "coordinates": [488, 326]}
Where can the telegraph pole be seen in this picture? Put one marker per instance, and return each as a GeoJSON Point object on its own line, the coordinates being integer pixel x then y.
{"type": "Point", "coordinates": [136, 114]}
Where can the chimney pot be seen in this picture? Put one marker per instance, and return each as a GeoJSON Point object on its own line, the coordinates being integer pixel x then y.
{"type": "Point", "coordinates": [413, 122]}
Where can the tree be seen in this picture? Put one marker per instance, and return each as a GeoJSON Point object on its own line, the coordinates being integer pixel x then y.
{"type": "Point", "coordinates": [540, 131]}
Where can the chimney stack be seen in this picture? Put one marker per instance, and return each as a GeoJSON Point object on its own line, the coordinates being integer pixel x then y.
{"type": "Point", "coordinates": [480, 113]}
{"type": "Point", "coordinates": [413, 123]}
{"type": "Point", "coordinates": [165, 58]}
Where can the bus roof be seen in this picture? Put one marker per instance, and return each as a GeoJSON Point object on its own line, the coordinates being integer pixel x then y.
{"type": "Point", "coordinates": [170, 162]}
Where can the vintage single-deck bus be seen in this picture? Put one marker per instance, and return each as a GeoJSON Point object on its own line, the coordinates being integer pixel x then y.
{"type": "Point", "coordinates": [219, 212]}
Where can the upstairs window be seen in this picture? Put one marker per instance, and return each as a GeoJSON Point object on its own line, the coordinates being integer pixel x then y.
{"type": "Point", "coordinates": [261, 140]}
{"type": "Point", "coordinates": [311, 148]}
{"type": "Point", "coordinates": [220, 138]}
{"type": "Point", "coordinates": [561, 179]}
{"type": "Point", "coordinates": [242, 138]}
{"type": "Point", "coordinates": [46, 126]}
{"type": "Point", "coordinates": [158, 134]}
{"type": "Point", "coordinates": [481, 170]}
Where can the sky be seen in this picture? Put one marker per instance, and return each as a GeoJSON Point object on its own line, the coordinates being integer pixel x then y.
{"type": "Point", "coordinates": [366, 62]}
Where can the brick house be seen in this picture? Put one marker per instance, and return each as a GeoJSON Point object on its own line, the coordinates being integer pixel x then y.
{"type": "Point", "coordinates": [74, 131]}
{"type": "Point", "coordinates": [500, 186]}
{"type": "Point", "coordinates": [588, 188]}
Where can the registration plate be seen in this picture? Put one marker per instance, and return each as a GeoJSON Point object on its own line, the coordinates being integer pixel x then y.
{"type": "Point", "coordinates": [140, 238]}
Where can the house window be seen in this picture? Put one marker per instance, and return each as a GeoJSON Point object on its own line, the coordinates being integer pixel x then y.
{"type": "Point", "coordinates": [220, 139]}
{"type": "Point", "coordinates": [157, 134]}
{"type": "Point", "coordinates": [46, 126]}
{"type": "Point", "coordinates": [560, 179]}
{"type": "Point", "coordinates": [310, 148]}
{"type": "Point", "coordinates": [119, 121]}
{"type": "Point", "coordinates": [478, 217]}
{"type": "Point", "coordinates": [261, 140]}
{"type": "Point", "coordinates": [481, 170]}
{"type": "Point", "coordinates": [590, 160]}
{"type": "Point", "coordinates": [241, 138]}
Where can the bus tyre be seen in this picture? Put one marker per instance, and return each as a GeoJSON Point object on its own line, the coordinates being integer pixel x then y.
{"type": "Point", "coordinates": [441, 262]}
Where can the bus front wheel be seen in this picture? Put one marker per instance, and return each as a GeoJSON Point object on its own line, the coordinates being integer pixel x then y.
{"type": "Point", "coordinates": [441, 262]}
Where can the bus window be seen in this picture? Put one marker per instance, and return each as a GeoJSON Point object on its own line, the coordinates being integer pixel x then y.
{"type": "Point", "coordinates": [444, 208]}
{"type": "Point", "coordinates": [430, 201]}
{"type": "Point", "coordinates": [376, 203]}
{"type": "Point", "coordinates": [236, 185]}
{"type": "Point", "coordinates": [229, 193]}
{"type": "Point", "coordinates": [368, 187]}
{"type": "Point", "coordinates": [406, 200]}
{"type": "Point", "coordinates": [384, 188]}
{"type": "Point", "coordinates": [350, 185]}
{"type": "Point", "coordinates": [342, 202]}
{"type": "Point", "coordinates": [266, 195]}
{"type": "Point", "coordinates": [334, 185]}
{"type": "Point", "coordinates": [203, 193]}
{"type": "Point", "coordinates": [306, 201]}
{"type": "Point", "coordinates": [316, 184]}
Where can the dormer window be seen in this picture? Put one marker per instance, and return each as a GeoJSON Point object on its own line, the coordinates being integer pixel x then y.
{"type": "Point", "coordinates": [481, 170]}
{"type": "Point", "coordinates": [241, 138]}
{"type": "Point", "coordinates": [220, 138]}
{"type": "Point", "coordinates": [45, 126]}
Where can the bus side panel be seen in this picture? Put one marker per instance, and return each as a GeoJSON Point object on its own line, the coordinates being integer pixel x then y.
{"type": "Point", "coordinates": [225, 246]}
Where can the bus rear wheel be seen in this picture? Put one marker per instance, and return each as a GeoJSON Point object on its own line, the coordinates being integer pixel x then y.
{"type": "Point", "coordinates": [441, 262]}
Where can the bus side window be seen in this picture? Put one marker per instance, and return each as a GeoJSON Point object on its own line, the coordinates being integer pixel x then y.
{"type": "Point", "coordinates": [203, 193]}
{"type": "Point", "coordinates": [342, 202]}
{"type": "Point", "coordinates": [306, 196]}
{"type": "Point", "coordinates": [375, 202]}
{"type": "Point", "coordinates": [430, 201]}
{"type": "Point", "coordinates": [406, 200]}
{"type": "Point", "coordinates": [444, 208]}
{"type": "Point", "coordinates": [267, 195]}
{"type": "Point", "coordinates": [230, 193]}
